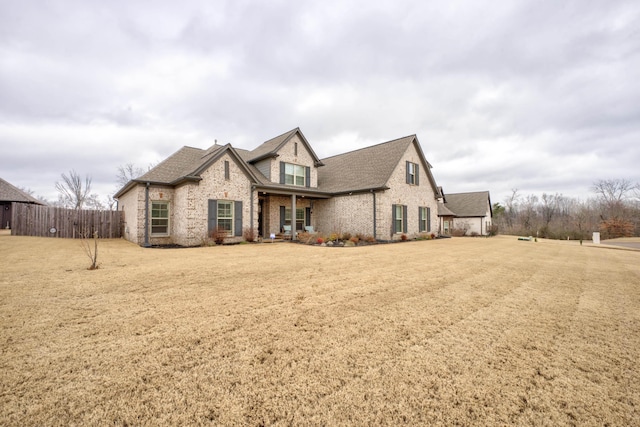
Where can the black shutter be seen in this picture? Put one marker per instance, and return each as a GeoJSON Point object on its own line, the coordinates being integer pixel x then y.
{"type": "Point", "coordinates": [393, 219]}
{"type": "Point", "coordinates": [282, 169]}
{"type": "Point", "coordinates": [213, 215]}
{"type": "Point", "coordinates": [420, 229]}
{"type": "Point", "coordinates": [408, 175]}
{"type": "Point", "coordinates": [417, 174]}
{"type": "Point", "coordinates": [428, 219]}
{"type": "Point", "coordinates": [237, 218]}
{"type": "Point", "coordinates": [404, 218]}
{"type": "Point", "coordinates": [307, 173]}
{"type": "Point", "coordinates": [307, 217]}
{"type": "Point", "coordinates": [281, 218]}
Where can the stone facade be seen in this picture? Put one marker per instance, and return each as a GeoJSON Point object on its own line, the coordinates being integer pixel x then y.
{"type": "Point", "coordinates": [412, 196]}
{"type": "Point", "coordinates": [227, 178]}
{"type": "Point", "coordinates": [288, 154]}
{"type": "Point", "coordinates": [347, 213]}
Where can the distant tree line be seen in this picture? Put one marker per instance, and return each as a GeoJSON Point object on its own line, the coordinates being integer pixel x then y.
{"type": "Point", "coordinates": [614, 211]}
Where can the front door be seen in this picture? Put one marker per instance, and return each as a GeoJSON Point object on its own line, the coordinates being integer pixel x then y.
{"type": "Point", "coordinates": [260, 217]}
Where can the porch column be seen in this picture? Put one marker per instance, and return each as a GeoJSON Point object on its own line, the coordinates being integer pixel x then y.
{"type": "Point", "coordinates": [293, 217]}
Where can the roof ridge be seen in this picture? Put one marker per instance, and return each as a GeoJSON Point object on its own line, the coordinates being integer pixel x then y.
{"type": "Point", "coordinates": [370, 146]}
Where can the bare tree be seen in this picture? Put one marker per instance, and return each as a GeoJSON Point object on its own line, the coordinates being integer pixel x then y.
{"type": "Point", "coordinates": [613, 191]}
{"type": "Point", "coordinates": [92, 253]}
{"type": "Point", "coordinates": [549, 208]}
{"type": "Point", "coordinates": [73, 191]}
{"type": "Point", "coordinates": [511, 207]}
{"type": "Point", "coordinates": [128, 172]}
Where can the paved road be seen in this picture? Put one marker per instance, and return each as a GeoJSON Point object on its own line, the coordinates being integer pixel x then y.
{"type": "Point", "coordinates": [633, 245]}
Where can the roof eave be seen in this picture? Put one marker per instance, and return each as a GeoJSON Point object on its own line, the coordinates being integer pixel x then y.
{"type": "Point", "coordinates": [262, 157]}
{"type": "Point", "coordinates": [360, 190]}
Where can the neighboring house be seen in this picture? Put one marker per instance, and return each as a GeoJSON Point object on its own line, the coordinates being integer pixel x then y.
{"type": "Point", "coordinates": [465, 211]}
{"type": "Point", "coordinates": [8, 195]}
{"type": "Point", "coordinates": [383, 191]}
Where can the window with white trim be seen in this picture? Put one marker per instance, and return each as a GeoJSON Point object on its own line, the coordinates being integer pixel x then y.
{"type": "Point", "coordinates": [397, 226]}
{"type": "Point", "coordinates": [412, 170]}
{"type": "Point", "coordinates": [294, 174]}
{"type": "Point", "coordinates": [225, 216]}
{"type": "Point", "coordinates": [422, 225]}
{"type": "Point", "coordinates": [299, 217]}
{"type": "Point", "coordinates": [159, 218]}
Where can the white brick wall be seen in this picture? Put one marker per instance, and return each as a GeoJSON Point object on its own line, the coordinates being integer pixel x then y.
{"type": "Point", "coordinates": [287, 155]}
{"type": "Point", "coordinates": [353, 214]}
{"type": "Point", "coordinates": [402, 193]}
{"type": "Point", "coordinates": [347, 213]}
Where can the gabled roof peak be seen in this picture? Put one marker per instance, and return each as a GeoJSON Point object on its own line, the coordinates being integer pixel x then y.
{"type": "Point", "coordinates": [271, 147]}
{"type": "Point", "coordinates": [404, 139]}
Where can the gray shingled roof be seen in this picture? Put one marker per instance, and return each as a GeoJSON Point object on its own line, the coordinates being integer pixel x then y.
{"type": "Point", "coordinates": [468, 204]}
{"type": "Point", "coordinates": [186, 163]}
{"type": "Point", "coordinates": [10, 193]}
{"type": "Point", "coordinates": [178, 165]}
{"type": "Point", "coordinates": [359, 170]}
{"type": "Point", "coordinates": [363, 169]}
{"type": "Point", "coordinates": [444, 211]}
{"type": "Point", "coordinates": [271, 146]}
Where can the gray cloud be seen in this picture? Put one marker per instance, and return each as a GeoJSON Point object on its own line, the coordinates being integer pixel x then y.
{"type": "Point", "coordinates": [539, 96]}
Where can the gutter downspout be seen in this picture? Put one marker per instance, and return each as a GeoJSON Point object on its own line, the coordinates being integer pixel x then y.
{"type": "Point", "coordinates": [253, 187]}
{"type": "Point", "coordinates": [374, 215]}
{"type": "Point", "coordinates": [146, 216]}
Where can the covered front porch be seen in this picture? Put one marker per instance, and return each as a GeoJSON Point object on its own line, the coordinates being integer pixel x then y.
{"type": "Point", "coordinates": [284, 213]}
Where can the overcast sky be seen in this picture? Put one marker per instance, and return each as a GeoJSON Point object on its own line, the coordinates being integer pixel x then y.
{"type": "Point", "coordinates": [543, 96]}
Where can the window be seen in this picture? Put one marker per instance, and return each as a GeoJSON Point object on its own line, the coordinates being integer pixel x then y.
{"type": "Point", "coordinates": [225, 216]}
{"type": "Point", "coordinates": [397, 219]}
{"type": "Point", "coordinates": [299, 217]}
{"type": "Point", "coordinates": [424, 219]}
{"type": "Point", "coordinates": [412, 173]}
{"type": "Point", "coordinates": [159, 218]}
{"type": "Point", "coordinates": [294, 174]}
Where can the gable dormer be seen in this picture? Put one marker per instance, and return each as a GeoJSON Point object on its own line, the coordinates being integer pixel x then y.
{"type": "Point", "coordinates": [287, 159]}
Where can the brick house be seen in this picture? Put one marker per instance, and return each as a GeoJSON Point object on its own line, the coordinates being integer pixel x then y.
{"type": "Point", "coordinates": [470, 212]}
{"type": "Point", "coordinates": [383, 191]}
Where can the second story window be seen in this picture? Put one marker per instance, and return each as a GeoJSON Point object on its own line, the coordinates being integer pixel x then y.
{"type": "Point", "coordinates": [294, 174]}
{"type": "Point", "coordinates": [412, 173]}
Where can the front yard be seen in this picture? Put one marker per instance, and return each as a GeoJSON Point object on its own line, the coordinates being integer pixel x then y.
{"type": "Point", "coordinates": [440, 332]}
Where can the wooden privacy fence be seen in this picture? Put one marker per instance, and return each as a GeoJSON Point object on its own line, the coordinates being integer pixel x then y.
{"type": "Point", "coordinates": [47, 221]}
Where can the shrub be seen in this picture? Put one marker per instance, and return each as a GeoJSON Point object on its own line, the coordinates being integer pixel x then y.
{"type": "Point", "coordinates": [360, 236]}
{"type": "Point", "coordinates": [616, 227]}
{"type": "Point", "coordinates": [403, 237]}
{"type": "Point", "coordinates": [249, 234]}
{"type": "Point", "coordinates": [218, 235]}
{"type": "Point", "coordinates": [333, 237]}
{"type": "Point", "coordinates": [354, 239]}
{"type": "Point", "coordinates": [458, 232]}
{"type": "Point", "coordinates": [346, 236]}
{"type": "Point", "coordinates": [432, 235]}
{"type": "Point", "coordinates": [320, 240]}
{"type": "Point", "coordinates": [370, 239]}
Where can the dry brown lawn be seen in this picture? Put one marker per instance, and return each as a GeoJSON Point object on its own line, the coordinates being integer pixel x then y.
{"type": "Point", "coordinates": [447, 332]}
